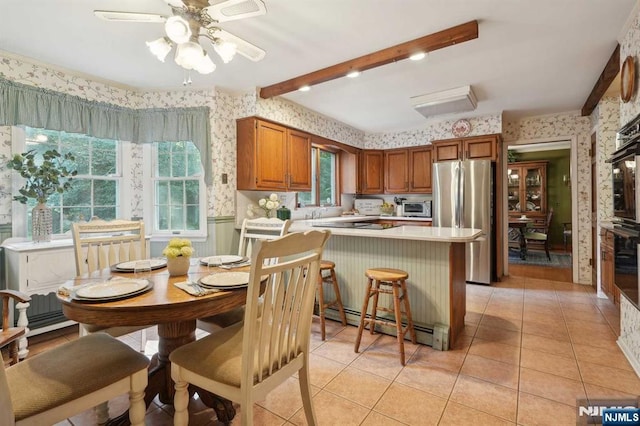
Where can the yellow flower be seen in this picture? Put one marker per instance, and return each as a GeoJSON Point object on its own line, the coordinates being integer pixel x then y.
{"type": "Point", "coordinates": [178, 247]}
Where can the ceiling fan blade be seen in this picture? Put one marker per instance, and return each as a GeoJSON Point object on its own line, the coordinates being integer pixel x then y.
{"type": "Point", "coordinates": [112, 15]}
{"type": "Point", "coordinates": [230, 10]}
{"type": "Point", "coordinates": [244, 48]}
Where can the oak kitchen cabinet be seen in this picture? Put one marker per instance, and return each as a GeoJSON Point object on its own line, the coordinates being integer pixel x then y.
{"type": "Point", "coordinates": [371, 172]}
{"type": "Point", "coordinates": [272, 156]}
{"type": "Point", "coordinates": [408, 170]}
{"type": "Point", "coordinates": [474, 148]}
{"type": "Point", "coordinates": [396, 171]}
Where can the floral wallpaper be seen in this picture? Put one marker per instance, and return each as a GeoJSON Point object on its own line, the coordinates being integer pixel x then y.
{"type": "Point", "coordinates": [605, 119]}
{"type": "Point", "coordinates": [630, 46]}
{"type": "Point", "coordinates": [5, 175]}
{"type": "Point", "coordinates": [434, 130]}
{"type": "Point", "coordinates": [629, 339]}
{"type": "Point", "coordinates": [567, 126]}
{"type": "Point", "coordinates": [294, 115]}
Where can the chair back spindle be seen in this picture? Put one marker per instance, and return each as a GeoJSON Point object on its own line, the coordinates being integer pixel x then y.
{"type": "Point", "coordinates": [99, 244]}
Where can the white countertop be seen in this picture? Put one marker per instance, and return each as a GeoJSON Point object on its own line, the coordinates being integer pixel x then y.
{"type": "Point", "coordinates": [422, 233]}
{"type": "Point", "coordinates": [364, 218]}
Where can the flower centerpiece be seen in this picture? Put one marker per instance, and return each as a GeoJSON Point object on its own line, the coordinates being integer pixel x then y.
{"type": "Point", "coordinates": [178, 253]}
{"type": "Point", "coordinates": [267, 204]}
{"type": "Point", "coordinates": [45, 176]}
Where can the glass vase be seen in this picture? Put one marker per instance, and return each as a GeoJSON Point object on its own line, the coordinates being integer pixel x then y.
{"type": "Point", "coordinates": [41, 223]}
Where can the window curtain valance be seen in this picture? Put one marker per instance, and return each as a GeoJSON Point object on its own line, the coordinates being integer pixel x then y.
{"type": "Point", "coordinates": [22, 104]}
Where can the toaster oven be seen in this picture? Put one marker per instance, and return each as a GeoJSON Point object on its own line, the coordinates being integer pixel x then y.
{"type": "Point", "coordinates": [416, 208]}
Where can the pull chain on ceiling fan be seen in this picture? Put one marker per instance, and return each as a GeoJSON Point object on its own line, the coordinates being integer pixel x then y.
{"type": "Point", "coordinates": [191, 20]}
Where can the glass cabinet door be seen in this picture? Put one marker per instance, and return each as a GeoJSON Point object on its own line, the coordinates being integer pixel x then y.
{"type": "Point", "coordinates": [513, 189]}
{"type": "Point", "coordinates": [534, 182]}
{"type": "Point", "coordinates": [526, 188]}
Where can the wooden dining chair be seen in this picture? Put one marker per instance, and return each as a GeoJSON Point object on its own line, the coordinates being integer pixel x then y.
{"type": "Point", "coordinates": [538, 236]}
{"type": "Point", "coordinates": [252, 230]}
{"type": "Point", "coordinates": [260, 229]}
{"type": "Point", "coordinates": [10, 335]}
{"type": "Point", "coordinates": [98, 244]}
{"type": "Point", "coordinates": [246, 361]}
{"type": "Point", "coordinates": [71, 378]}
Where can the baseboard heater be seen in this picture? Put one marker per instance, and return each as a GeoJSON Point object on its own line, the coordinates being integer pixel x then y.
{"type": "Point", "coordinates": [424, 332]}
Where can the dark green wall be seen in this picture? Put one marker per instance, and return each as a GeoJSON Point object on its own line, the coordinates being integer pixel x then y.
{"type": "Point", "coordinates": [558, 194]}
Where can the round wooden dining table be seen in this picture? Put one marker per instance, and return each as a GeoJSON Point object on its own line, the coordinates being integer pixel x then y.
{"type": "Point", "coordinates": [173, 310]}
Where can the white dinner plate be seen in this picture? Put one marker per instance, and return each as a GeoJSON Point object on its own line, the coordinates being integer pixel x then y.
{"type": "Point", "coordinates": [221, 260]}
{"type": "Point", "coordinates": [226, 280]}
{"type": "Point", "coordinates": [112, 288]}
{"type": "Point", "coordinates": [130, 266]}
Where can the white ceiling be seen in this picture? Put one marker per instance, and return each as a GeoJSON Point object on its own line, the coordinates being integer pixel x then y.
{"type": "Point", "coordinates": [531, 57]}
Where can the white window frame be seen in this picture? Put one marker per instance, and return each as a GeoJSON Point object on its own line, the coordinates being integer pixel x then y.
{"type": "Point", "coordinates": [19, 211]}
{"type": "Point", "coordinates": [150, 160]}
{"type": "Point", "coordinates": [315, 178]}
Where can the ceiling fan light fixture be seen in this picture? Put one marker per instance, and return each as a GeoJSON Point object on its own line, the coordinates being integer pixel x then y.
{"type": "Point", "coordinates": [178, 29]}
{"type": "Point", "coordinates": [205, 65]}
{"type": "Point", "coordinates": [418, 56]}
{"type": "Point", "coordinates": [189, 55]}
{"type": "Point", "coordinates": [174, 3]}
{"type": "Point", "coordinates": [160, 48]}
{"type": "Point", "coordinates": [226, 49]}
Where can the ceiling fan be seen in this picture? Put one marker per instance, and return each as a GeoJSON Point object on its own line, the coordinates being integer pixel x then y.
{"type": "Point", "coordinates": [191, 20]}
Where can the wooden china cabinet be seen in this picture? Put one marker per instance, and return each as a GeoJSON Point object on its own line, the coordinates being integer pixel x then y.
{"type": "Point", "coordinates": [527, 189]}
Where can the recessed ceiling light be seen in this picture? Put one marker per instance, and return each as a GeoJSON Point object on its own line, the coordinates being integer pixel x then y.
{"type": "Point", "coordinates": [304, 88]}
{"type": "Point", "coordinates": [418, 56]}
{"type": "Point", "coordinates": [353, 74]}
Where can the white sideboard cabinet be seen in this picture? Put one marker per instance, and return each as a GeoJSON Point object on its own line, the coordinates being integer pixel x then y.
{"type": "Point", "coordinates": [37, 269]}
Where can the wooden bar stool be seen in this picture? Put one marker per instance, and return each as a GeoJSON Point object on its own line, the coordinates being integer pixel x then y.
{"type": "Point", "coordinates": [379, 278]}
{"type": "Point", "coordinates": [327, 265]}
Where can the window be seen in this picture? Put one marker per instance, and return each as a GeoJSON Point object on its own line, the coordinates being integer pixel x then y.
{"type": "Point", "coordinates": [96, 188]}
{"type": "Point", "coordinates": [165, 186]}
{"type": "Point", "coordinates": [323, 177]}
{"type": "Point", "coordinates": [177, 189]}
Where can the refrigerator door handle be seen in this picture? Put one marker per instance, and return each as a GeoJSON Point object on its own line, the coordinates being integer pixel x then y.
{"type": "Point", "coordinates": [458, 196]}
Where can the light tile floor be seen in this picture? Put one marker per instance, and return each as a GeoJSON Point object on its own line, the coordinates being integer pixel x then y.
{"type": "Point", "coordinates": [530, 348]}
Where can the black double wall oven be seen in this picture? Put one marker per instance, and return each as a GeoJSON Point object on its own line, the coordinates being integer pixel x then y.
{"type": "Point", "coordinates": [626, 205]}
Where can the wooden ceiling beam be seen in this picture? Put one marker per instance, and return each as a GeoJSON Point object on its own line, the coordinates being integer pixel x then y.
{"type": "Point", "coordinates": [608, 74]}
{"type": "Point", "coordinates": [428, 43]}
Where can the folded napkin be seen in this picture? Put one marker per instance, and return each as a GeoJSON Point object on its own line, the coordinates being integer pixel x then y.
{"type": "Point", "coordinates": [195, 291]}
{"type": "Point", "coordinates": [67, 290]}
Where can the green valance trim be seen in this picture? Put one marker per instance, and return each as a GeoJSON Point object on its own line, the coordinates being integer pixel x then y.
{"type": "Point", "coordinates": [21, 104]}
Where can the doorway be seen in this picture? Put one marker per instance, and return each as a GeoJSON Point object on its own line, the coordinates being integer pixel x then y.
{"type": "Point", "coordinates": [537, 183]}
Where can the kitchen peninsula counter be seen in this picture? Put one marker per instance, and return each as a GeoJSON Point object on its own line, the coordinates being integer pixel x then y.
{"type": "Point", "coordinates": [433, 257]}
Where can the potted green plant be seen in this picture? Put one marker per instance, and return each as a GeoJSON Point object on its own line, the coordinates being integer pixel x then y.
{"type": "Point", "coordinates": [45, 173]}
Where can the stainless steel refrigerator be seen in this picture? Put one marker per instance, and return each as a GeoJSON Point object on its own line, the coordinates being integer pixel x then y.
{"type": "Point", "coordinates": [462, 198]}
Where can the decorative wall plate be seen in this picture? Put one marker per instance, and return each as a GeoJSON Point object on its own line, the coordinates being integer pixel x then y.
{"type": "Point", "coordinates": [627, 79]}
{"type": "Point", "coordinates": [461, 128]}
